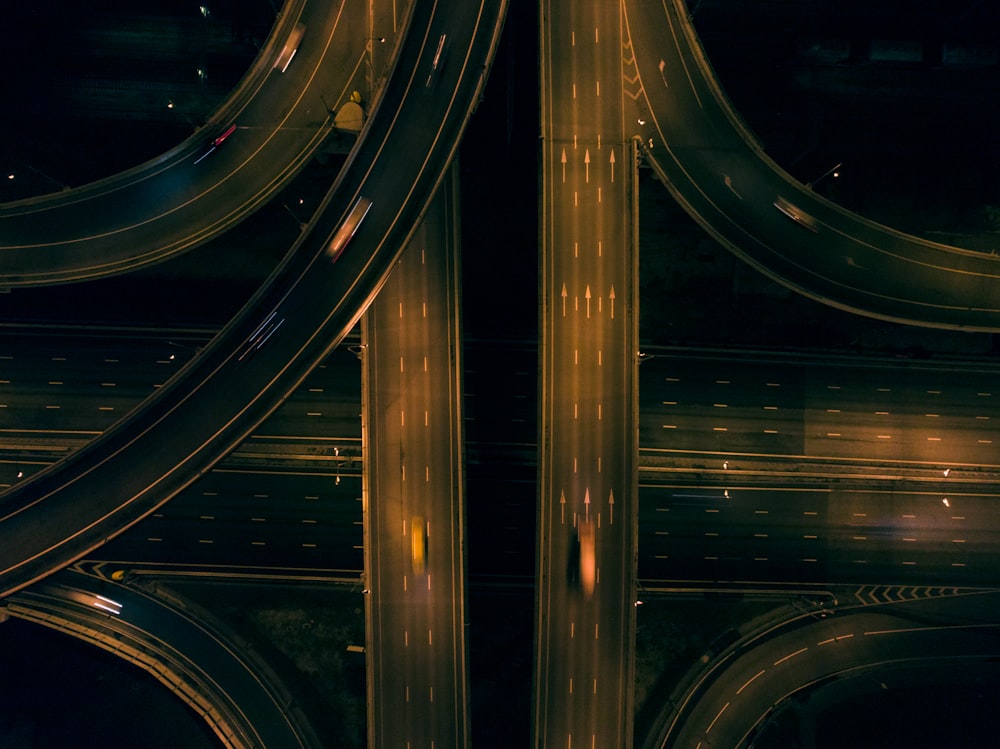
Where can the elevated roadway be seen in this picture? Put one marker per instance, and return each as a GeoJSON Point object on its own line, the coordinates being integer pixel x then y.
{"type": "Point", "coordinates": [416, 609]}
{"type": "Point", "coordinates": [588, 237]}
{"type": "Point", "coordinates": [239, 698]}
{"type": "Point", "coordinates": [713, 165]}
{"type": "Point", "coordinates": [307, 306]}
{"type": "Point", "coordinates": [758, 676]}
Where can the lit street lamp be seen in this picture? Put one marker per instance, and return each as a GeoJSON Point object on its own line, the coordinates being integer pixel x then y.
{"type": "Point", "coordinates": [833, 171]}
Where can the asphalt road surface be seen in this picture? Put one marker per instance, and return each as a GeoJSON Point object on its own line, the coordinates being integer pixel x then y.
{"type": "Point", "coordinates": [817, 470]}
{"type": "Point", "coordinates": [586, 521]}
{"type": "Point", "coordinates": [415, 495]}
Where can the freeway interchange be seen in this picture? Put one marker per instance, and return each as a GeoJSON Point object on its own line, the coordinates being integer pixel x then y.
{"type": "Point", "coordinates": [274, 329]}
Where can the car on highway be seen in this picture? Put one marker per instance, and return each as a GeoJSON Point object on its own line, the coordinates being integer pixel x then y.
{"type": "Point", "coordinates": [588, 562]}
{"type": "Point", "coordinates": [796, 214]}
{"type": "Point", "coordinates": [439, 54]}
{"type": "Point", "coordinates": [107, 604]}
{"type": "Point", "coordinates": [224, 135]}
{"type": "Point", "coordinates": [347, 229]}
{"type": "Point", "coordinates": [291, 47]}
{"type": "Point", "coordinates": [261, 334]}
{"type": "Point", "coordinates": [418, 544]}
{"type": "Point", "coordinates": [217, 141]}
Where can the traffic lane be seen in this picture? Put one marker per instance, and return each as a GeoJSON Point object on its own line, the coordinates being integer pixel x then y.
{"type": "Point", "coordinates": [501, 527]}
{"type": "Point", "coordinates": [435, 349]}
{"type": "Point", "coordinates": [927, 438]}
{"type": "Point", "coordinates": [91, 353]}
{"type": "Point", "coordinates": [781, 532]}
{"type": "Point", "coordinates": [719, 431]}
{"type": "Point", "coordinates": [574, 599]}
{"type": "Point", "coordinates": [400, 632]}
{"type": "Point", "coordinates": [883, 411]}
{"type": "Point", "coordinates": [330, 416]}
{"type": "Point", "coordinates": [683, 401]}
{"type": "Point", "coordinates": [572, 591]}
{"type": "Point", "coordinates": [399, 635]}
{"type": "Point", "coordinates": [864, 436]}
{"type": "Point", "coordinates": [386, 552]}
{"type": "Point", "coordinates": [139, 359]}
{"type": "Point", "coordinates": [581, 665]}
{"type": "Point", "coordinates": [600, 412]}
{"type": "Point", "coordinates": [414, 389]}
{"type": "Point", "coordinates": [407, 633]}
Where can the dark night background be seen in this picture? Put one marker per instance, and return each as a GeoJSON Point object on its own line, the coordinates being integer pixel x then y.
{"type": "Point", "coordinates": [84, 86]}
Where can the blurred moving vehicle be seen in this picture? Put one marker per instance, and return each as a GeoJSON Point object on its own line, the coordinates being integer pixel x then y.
{"type": "Point", "coordinates": [260, 335]}
{"type": "Point", "coordinates": [217, 141]}
{"type": "Point", "coordinates": [796, 214]}
{"type": "Point", "coordinates": [349, 227]}
{"type": "Point", "coordinates": [439, 55]}
{"type": "Point", "coordinates": [418, 544]}
{"type": "Point", "coordinates": [588, 561]}
{"type": "Point", "coordinates": [224, 136]}
{"type": "Point", "coordinates": [290, 48]}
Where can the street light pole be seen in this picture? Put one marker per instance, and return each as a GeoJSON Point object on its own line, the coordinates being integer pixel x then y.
{"type": "Point", "coordinates": [832, 170]}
